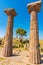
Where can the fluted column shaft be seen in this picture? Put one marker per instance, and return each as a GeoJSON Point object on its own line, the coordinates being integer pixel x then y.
{"type": "Point", "coordinates": [34, 29]}
{"type": "Point", "coordinates": [9, 33]}
{"type": "Point", "coordinates": [34, 53]}
{"type": "Point", "coordinates": [9, 37]}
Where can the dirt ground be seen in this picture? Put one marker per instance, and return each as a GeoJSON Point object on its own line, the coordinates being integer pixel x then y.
{"type": "Point", "coordinates": [20, 57]}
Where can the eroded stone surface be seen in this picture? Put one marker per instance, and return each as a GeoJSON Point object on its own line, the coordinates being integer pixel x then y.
{"type": "Point", "coordinates": [9, 33]}
{"type": "Point", "coordinates": [34, 6]}
{"type": "Point", "coordinates": [34, 52]}
{"type": "Point", "coordinates": [18, 59]}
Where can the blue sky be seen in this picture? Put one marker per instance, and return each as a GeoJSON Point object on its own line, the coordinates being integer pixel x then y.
{"type": "Point", "coordinates": [22, 20]}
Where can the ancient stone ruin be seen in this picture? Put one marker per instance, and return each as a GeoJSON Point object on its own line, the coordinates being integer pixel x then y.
{"type": "Point", "coordinates": [9, 33]}
{"type": "Point", "coordinates": [34, 52]}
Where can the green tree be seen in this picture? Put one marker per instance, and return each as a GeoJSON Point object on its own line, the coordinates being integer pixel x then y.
{"type": "Point", "coordinates": [21, 32]}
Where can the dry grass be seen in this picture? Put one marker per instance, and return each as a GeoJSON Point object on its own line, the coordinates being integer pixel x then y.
{"type": "Point", "coordinates": [41, 43]}
{"type": "Point", "coordinates": [2, 59]}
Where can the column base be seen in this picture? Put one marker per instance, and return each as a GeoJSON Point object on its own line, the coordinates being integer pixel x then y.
{"type": "Point", "coordinates": [34, 55]}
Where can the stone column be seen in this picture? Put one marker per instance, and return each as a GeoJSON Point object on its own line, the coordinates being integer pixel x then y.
{"type": "Point", "coordinates": [9, 33]}
{"type": "Point", "coordinates": [34, 52]}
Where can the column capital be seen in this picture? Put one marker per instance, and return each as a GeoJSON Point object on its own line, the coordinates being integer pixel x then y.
{"type": "Point", "coordinates": [35, 6]}
{"type": "Point", "coordinates": [11, 12]}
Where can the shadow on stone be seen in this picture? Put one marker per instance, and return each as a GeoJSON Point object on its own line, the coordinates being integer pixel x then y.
{"type": "Point", "coordinates": [41, 59]}
{"type": "Point", "coordinates": [14, 55]}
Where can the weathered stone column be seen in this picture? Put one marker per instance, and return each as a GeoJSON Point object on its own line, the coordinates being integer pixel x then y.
{"type": "Point", "coordinates": [9, 33]}
{"type": "Point", "coordinates": [34, 52]}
